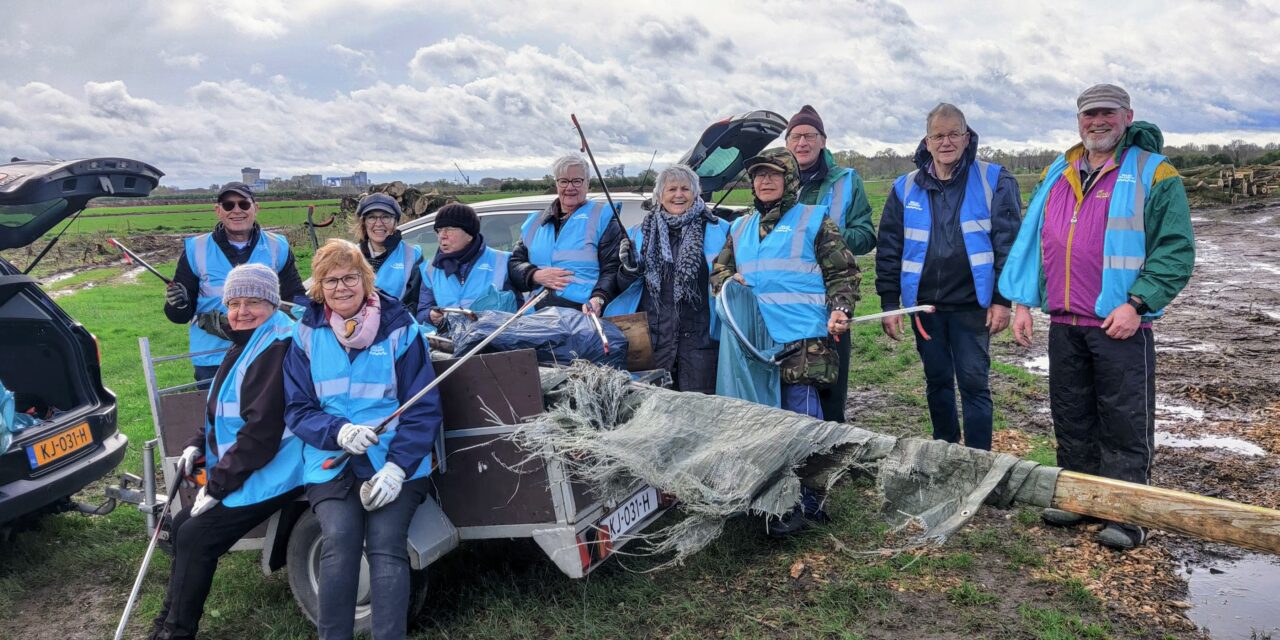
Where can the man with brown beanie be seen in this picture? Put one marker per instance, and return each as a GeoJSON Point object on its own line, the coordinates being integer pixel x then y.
{"type": "Point", "coordinates": [465, 272]}
{"type": "Point", "coordinates": [839, 189]}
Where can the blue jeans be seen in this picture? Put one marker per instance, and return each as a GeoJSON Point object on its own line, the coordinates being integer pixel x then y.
{"type": "Point", "coordinates": [959, 353]}
{"type": "Point", "coordinates": [802, 398]}
{"type": "Point", "coordinates": [382, 535]}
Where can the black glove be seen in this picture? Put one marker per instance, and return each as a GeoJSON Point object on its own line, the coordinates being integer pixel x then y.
{"type": "Point", "coordinates": [628, 262]}
{"type": "Point", "coordinates": [214, 323]}
{"type": "Point", "coordinates": [176, 296]}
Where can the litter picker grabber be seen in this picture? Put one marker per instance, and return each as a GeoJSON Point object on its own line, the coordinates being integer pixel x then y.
{"type": "Point", "coordinates": [133, 258]}
{"type": "Point", "coordinates": [603, 187]}
{"type": "Point", "coordinates": [151, 550]}
{"type": "Point", "coordinates": [312, 225]}
{"type": "Point", "coordinates": [336, 461]}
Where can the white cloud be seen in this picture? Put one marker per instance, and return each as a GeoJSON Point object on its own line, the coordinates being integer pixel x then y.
{"type": "Point", "coordinates": [364, 62]}
{"type": "Point", "coordinates": [189, 61]}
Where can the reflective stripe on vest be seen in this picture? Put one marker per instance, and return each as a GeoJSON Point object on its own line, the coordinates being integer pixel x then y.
{"type": "Point", "coordinates": [1124, 245]}
{"type": "Point", "coordinates": [489, 273]}
{"type": "Point", "coordinates": [837, 198]}
{"type": "Point", "coordinates": [393, 275]}
{"type": "Point", "coordinates": [362, 390]}
{"type": "Point", "coordinates": [284, 472]}
{"type": "Point", "coordinates": [574, 249]}
{"type": "Point", "coordinates": [713, 239]}
{"type": "Point", "coordinates": [782, 269]}
{"type": "Point", "coordinates": [975, 225]}
{"type": "Point", "coordinates": [211, 266]}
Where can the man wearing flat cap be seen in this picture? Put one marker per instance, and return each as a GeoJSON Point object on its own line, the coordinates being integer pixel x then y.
{"type": "Point", "coordinates": [840, 189]}
{"type": "Point", "coordinates": [805, 282]}
{"type": "Point", "coordinates": [1105, 246]}
{"type": "Point", "coordinates": [195, 295]}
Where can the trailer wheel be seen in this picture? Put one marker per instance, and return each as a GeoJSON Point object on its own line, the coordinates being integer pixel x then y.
{"type": "Point", "coordinates": [304, 577]}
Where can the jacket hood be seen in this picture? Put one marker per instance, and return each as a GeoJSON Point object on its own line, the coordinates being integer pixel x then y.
{"type": "Point", "coordinates": [394, 315]}
{"type": "Point", "coordinates": [1140, 134]}
{"type": "Point", "coordinates": [922, 157]}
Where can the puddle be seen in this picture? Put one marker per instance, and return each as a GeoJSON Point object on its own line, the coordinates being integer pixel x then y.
{"type": "Point", "coordinates": [1170, 412]}
{"type": "Point", "coordinates": [1038, 366]}
{"type": "Point", "coordinates": [1242, 601]}
{"type": "Point", "coordinates": [1234, 445]}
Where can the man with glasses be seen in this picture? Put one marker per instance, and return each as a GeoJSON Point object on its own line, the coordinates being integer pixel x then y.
{"type": "Point", "coordinates": [571, 247]}
{"type": "Point", "coordinates": [195, 295]}
{"type": "Point", "coordinates": [1106, 246]}
{"type": "Point", "coordinates": [839, 189]}
{"type": "Point", "coordinates": [946, 230]}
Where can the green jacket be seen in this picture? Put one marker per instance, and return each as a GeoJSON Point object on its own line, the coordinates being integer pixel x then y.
{"type": "Point", "coordinates": [1171, 246]}
{"type": "Point", "coordinates": [858, 233]}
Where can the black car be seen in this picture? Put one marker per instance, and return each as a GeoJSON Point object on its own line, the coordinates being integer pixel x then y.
{"type": "Point", "coordinates": [48, 360]}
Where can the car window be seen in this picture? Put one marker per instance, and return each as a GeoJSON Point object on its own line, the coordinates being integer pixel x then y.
{"type": "Point", "coordinates": [718, 161]}
{"type": "Point", "coordinates": [18, 215]}
{"type": "Point", "coordinates": [500, 230]}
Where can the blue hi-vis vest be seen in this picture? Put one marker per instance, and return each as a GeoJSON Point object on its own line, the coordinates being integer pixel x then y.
{"type": "Point", "coordinates": [284, 472]}
{"type": "Point", "coordinates": [975, 224]}
{"type": "Point", "coordinates": [838, 197]}
{"type": "Point", "coordinates": [362, 390]}
{"type": "Point", "coordinates": [393, 275]}
{"type": "Point", "coordinates": [575, 249]}
{"type": "Point", "coordinates": [488, 274]}
{"type": "Point", "coordinates": [782, 269]}
{"type": "Point", "coordinates": [713, 240]}
{"type": "Point", "coordinates": [1124, 244]}
{"type": "Point", "coordinates": [211, 267]}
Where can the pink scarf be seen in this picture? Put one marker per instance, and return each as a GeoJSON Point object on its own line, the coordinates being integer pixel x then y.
{"type": "Point", "coordinates": [358, 331]}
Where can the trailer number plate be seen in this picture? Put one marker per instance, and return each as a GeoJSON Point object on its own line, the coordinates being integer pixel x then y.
{"type": "Point", "coordinates": [622, 520]}
{"type": "Point", "coordinates": [60, 445]}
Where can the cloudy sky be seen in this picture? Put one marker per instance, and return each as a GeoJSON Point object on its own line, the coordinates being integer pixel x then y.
{"type": "Point", "coordinates": [404, 88]}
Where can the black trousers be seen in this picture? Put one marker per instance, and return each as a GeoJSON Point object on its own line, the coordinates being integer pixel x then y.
{"type": "Point", "coordinates": [198, 543]}
{"type": "Point", "coordinates": [834, 396]}
{"type": "Point", "coordinates": [1102, 394]}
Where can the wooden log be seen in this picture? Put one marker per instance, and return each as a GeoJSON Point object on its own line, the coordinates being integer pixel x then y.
{"type": "Point", "coordinates": [639, 349]}
{"type": "Point", "coordinates": [1234, 523]}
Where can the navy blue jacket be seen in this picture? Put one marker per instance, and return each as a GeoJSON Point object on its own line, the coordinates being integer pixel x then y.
{"type": "Point", "coordinates": [416, 433]}
{"type": "Point", "coordinates": [946, 280]}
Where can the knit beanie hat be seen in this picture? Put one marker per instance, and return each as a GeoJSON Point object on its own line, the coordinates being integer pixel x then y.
{"type": "Point", "coordinates": [808, 116]}
{"type": "Point", "coordinates": [252, 280]}
{"type": "Point", "coordinates": [456, 214]}
{"type": "Point", "coordinates": [378, 202]}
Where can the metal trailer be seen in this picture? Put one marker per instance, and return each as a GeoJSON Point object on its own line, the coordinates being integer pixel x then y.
{"type": "Point", "coordinates": [485, 486]}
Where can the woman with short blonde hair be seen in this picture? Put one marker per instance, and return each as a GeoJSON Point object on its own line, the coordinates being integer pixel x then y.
{"type": "Point", "coordinates": [358, 355]}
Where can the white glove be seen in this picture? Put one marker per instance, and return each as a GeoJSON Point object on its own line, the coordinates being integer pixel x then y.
{"type": "Point", "coordinates": [383, 488]}
{"type": "Point", "coordinates": [187, 462]}
{"type": "Point", "coordinates": [203, 502]}
{"type": "Point", "coordinates": [355, 439]}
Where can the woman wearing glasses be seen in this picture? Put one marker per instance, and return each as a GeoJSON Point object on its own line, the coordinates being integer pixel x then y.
{"type": "Point", "coordinates": [571, 247]}
{"type": "Point", "coordinates": [396, 263]}
{"type": "Point", "coordinates": [357, 355]}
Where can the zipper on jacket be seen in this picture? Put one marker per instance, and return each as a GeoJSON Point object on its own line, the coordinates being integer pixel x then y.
{"type": "Point", "coordinates": [1071, 233]}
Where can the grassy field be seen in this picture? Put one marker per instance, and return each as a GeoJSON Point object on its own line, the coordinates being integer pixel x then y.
{"type": "Point", "coordinates": [829, 582]}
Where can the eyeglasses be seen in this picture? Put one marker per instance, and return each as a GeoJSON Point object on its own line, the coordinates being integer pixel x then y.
{"type": "Point", "coordinates": [238, 303]}
{"type": "Point", "coordinates": [807, 137]}
{"type": "Point", "coordinates": [349, 281]}
{"type": "Point", "coordinates": [564, 182]}
{"type": "Point", "coordinates": [382, 220]}
{"type": "Point", "coordinates": [767, 176]}
{"type": "Point", "coordinates": [228, 205]}
{"type": "Point", "coordinates": [954, 136]}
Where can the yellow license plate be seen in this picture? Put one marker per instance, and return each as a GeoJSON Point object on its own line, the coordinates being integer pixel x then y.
{"type": "Point", "coordinates": [63, 444]}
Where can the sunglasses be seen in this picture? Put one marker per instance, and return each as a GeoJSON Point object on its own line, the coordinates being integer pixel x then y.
{"type": "Point", "coordinates": [228, 205]}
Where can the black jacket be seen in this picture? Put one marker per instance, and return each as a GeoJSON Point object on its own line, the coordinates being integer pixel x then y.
{"type": "Point", "coordinates": [946, 280]}
{"type": "Point", "coordinates": [520, 270]}
{"type": "Point", "coordinates": [291, 288]}
{"type": "Point", "coordinates": [414, 286]}
{"type": "Point", "coordinates": [261, 407]}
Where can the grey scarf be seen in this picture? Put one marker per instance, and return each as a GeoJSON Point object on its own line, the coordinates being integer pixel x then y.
{"type": "Point", "coordinates": [658, 260]}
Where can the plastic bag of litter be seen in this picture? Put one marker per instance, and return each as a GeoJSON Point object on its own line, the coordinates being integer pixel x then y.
{"type": "Point", "coordinates": [7, 427]}
{"type": "Point", "coordinates": [746, 370]}
{"type": "Point", "coordinates": [559, 335]}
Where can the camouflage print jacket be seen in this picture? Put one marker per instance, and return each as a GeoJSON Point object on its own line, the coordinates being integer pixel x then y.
{"type": "Point", "coordinates": [816, 362]}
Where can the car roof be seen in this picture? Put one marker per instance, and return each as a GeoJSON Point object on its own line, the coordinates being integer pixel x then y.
{"type": "Point", "coordinates": [523, 204]}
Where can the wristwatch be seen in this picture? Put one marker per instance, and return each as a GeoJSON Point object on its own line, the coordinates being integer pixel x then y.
{"type": "Point", "coordinates": [1138, 305]}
